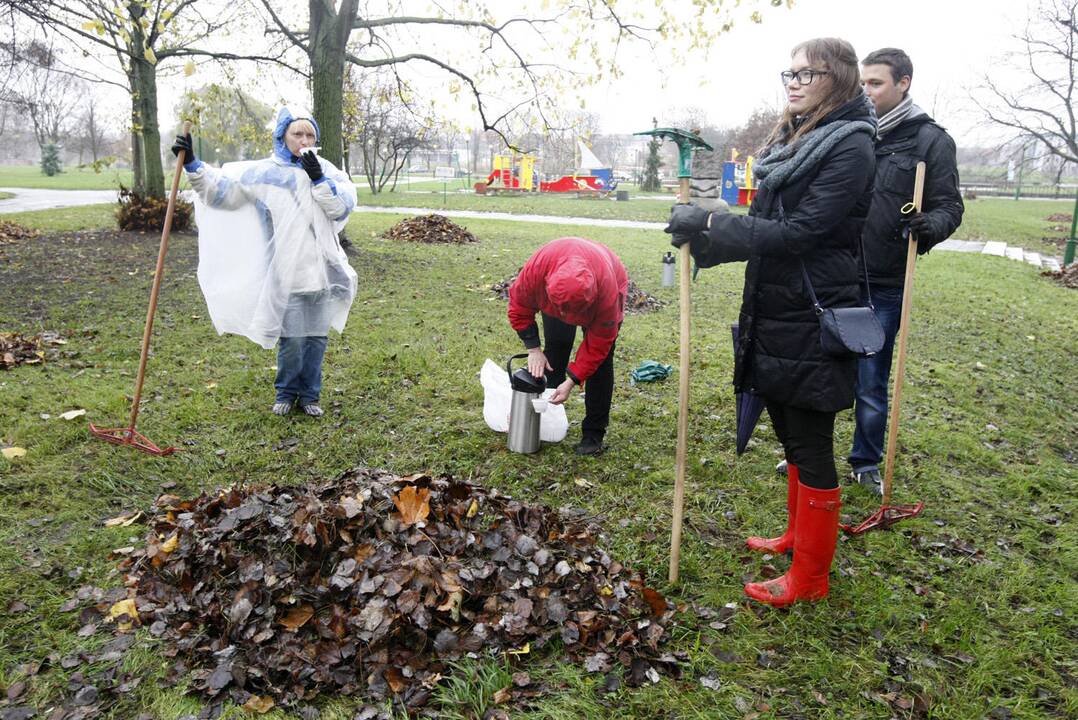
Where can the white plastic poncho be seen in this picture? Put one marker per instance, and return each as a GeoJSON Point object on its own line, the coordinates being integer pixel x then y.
{"type": "Point", "coordinates": [270, 265]}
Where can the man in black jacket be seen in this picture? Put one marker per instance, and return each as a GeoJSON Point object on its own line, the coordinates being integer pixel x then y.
{"type": "Point", "coordinates": [905, 136]}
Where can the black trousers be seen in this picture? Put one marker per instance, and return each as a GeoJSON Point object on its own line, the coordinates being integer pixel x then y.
{"type": "Point", "coordinates": [808, 437]}
{"type": "Point", "coordinates": [558, 340]}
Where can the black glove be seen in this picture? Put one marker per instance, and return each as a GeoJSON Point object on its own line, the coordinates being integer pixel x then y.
{"type": "Point", "coordinates": [678, 239]}
{"type": "Point", "coordinates": [920, 224]}
{"type": "Point", "coordinates": [309, 160]}
{"type": "Point", "coordinates": [687, 218]}
{"type": "Point", "coordinates": [183, 145]}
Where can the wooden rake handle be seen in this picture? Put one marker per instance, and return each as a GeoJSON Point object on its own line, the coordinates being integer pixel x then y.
{"type": "Point", "coordinates": [903, 337]}
{"type": "Point", "coordinates": [156, 288]}
{"type": "Point", "coordinates": [683, 399]}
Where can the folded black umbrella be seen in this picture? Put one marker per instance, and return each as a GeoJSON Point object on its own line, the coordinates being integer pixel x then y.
{"type": "Point", "coordinates": [749, 407]}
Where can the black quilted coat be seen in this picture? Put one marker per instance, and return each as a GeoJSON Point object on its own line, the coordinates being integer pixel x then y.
{"type": "Point", "coordinates": [819, 222]}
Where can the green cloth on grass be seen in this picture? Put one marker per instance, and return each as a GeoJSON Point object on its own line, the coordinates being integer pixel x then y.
{"type": "Point", "coordinates": [650, 371]}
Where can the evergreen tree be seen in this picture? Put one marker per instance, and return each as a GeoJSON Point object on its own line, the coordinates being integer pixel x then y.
{"type": "Point", "coordinates": [50, 159]}
{"type": "Point", "coordinates": [651, 169]}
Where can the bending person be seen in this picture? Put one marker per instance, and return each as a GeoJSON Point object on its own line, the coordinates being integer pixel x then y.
{"type": "Point", "coordinates": [574, 283]}
{"type": "Point", "coordinates": [815, 186]}
{"type": "Point", "coordinates": [270, 264]}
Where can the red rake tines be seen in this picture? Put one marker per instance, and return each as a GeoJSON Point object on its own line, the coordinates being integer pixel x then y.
{"type": "Point", "coordinates": [128, 435]}
{"type": "Point", "coordinates": [132, 437]}
{"type": "Point", "coordinates": [885, 517]}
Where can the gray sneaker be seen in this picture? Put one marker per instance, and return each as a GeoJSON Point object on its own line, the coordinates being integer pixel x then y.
{"type": "Point", "coordinates": [781, 468]}
{"type": "Point", "coordinates": [869, 479]}
{"type": "Point", "coordinates": [282, 407]}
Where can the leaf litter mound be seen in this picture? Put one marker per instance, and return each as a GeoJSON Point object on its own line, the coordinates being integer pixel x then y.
{"type": "Point", "coordinates": [636, 300]}
{"type": "Point", "coordinates": [429, 229]}
{"type": "Point", "coordinates": [373, 584]}
{"type": "Point", "coordinates": [1067, 277]}
{"type": "Point", "coordinates": [11, 232]}
{"type": "Point", "coordinates": [17, 349]}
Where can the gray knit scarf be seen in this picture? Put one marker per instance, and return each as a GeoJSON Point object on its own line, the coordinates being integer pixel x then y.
{"type": "Point", "coordinates": [894, 116]}
{"type": "Point", "coordinates": [784, 164]}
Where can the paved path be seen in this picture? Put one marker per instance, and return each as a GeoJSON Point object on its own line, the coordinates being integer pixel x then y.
{"type": "Point", "coordinates": [968, 246]}
{"type": "Point", "coordinates": [35, 199]}
{"type": "Point", "coordinates": [515, 217]}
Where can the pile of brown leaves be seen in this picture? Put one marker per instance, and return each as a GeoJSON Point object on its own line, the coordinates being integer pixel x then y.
{"type": "Point", "coordinates": [16, 349]}
{"type": "Point", "coordinates": [429, 229]}
{"type": "Point", "coordinates": [1067, 277]}
{"type": "Point", "coordinates": [372, 583]}
{"type": "Point", "coordinates": [11, 232]}
{"type": "Point", "coordinates": [636, 301]}
{"type": "Point", "coordinates": [1059, 217]}
{"type": "Point", "coordinates": [147, 213]}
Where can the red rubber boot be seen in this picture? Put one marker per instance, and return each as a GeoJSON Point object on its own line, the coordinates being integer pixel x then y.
{"type": "Point", "coordinates": [815, 536]}
{"type": "Point", "coordinates": [783, 542]}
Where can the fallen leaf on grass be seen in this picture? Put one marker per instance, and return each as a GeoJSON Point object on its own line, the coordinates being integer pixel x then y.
{"type": "Point", "coordinates": [13, 452]}
{"type": "Point", "coordinates": [122, 608]}
{"type": "Point", "coordinates": [72, 414]}
{"type": "Point", "coordinates": [259, 704]}
{"type": "Point", "coordinates": [297, 617]}
{"type": "Point", "coordinates": [124, 520]}
{"type": "Point", "coordinates": [170, 545]}
{"type": "Point", "coordinates": [413, 505]}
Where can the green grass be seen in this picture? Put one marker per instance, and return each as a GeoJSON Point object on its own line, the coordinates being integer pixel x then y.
{"type": "Point", "coordinates": [1023, 223]}
{"type": "Point", "coordinates": [991, 450]}
{"type": "Point", "coordinates": [562, 204]}
{"type": "Point", "coordinates": [72, 178]}
{"type": "Point", "coordinates": [6, 195]}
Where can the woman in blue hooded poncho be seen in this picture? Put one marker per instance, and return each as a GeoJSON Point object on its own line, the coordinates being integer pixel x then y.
{"type": "Point", "coordinates": [270, 264]}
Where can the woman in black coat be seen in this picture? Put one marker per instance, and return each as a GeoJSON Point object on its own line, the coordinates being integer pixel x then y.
{"type": "Point", "coordinates": [815, 184]}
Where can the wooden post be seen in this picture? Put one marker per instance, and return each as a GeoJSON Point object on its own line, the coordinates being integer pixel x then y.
{"type": "Point", "coordinates": [684, 270]}
{"type": "Point", "coordinates": [903, 335]}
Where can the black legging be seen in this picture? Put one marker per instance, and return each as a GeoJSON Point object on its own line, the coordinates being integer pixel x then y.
{"type": "Point", "coordinates": [808, 437]}
{"type": "Point", "coordinates": [558, 339]}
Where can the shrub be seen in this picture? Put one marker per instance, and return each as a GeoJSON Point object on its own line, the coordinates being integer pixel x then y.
{"type": "Point", "coordinates": [138, 212]}
{"type": "Point", "coordinates": [50, 159]}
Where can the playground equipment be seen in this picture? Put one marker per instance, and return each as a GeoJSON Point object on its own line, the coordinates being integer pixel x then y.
{"type": "Point", "coordinates": [516, 171]}
{"type": "Point", "coordinates": [737, 185]}
{"type": "Point", "coordinates": [593, 176]}
{"type": "Point", "coordinates": [513, 171]}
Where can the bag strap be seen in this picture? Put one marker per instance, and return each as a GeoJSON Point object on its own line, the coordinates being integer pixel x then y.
{"type": "Point", "coordinates": [804, 271]}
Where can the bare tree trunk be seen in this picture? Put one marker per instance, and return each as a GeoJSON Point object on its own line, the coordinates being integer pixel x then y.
{"type": "Point", "coordinates": [153, 178]}
{"type": "Point", "coordinates": [329, 35]}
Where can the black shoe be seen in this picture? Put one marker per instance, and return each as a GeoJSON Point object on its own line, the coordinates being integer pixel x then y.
{"type": "Point", "coordinates": [589, 446]}
{"type": "Point", "coordinates": [870, 480]}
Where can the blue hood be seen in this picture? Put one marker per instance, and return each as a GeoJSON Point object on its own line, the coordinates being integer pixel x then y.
{"type": "Point", "coordinates": [285, 117]}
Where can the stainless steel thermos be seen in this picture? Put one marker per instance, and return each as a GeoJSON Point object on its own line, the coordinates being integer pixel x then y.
{"type": "Point", "coordinates": [668, 270]}
{"type": "Point", "coordinates": [523, 419]}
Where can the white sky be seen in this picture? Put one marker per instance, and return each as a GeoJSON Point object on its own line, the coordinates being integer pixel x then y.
{"type": "Point", "coordinates": [952, 44]}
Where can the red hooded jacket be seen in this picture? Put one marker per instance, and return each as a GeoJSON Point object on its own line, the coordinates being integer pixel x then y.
{"type": "Point", "coordinates": [580, 282]}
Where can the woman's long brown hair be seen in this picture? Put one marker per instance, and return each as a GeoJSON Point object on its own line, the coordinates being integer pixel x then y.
{"type": "Point", "coordinates": [840, 60]}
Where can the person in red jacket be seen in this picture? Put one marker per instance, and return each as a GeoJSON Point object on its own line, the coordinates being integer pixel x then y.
{"type": "Point", "coordinates": [574, 283]}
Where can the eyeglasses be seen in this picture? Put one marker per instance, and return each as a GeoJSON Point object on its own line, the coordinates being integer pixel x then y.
{"type": "Point", "coordinates": [804, 77]}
